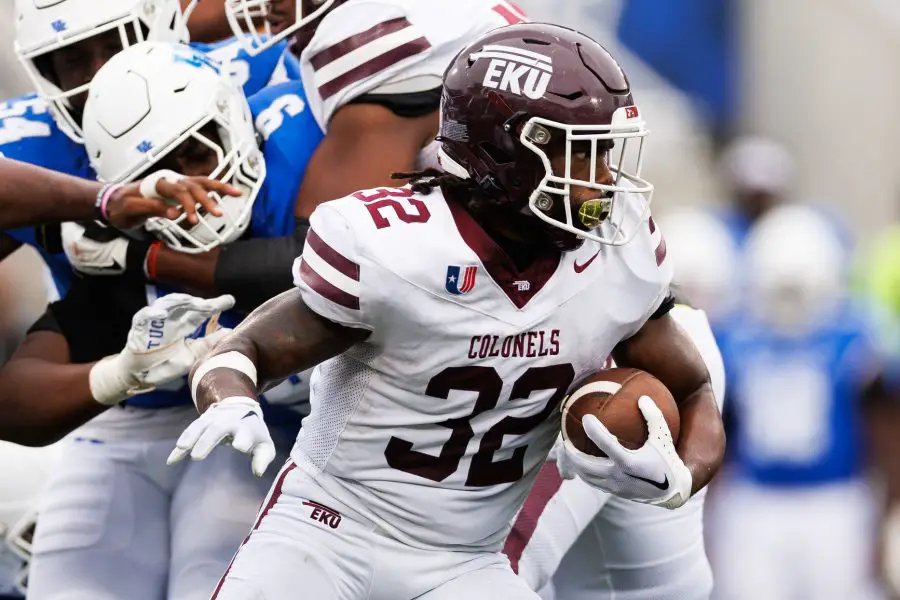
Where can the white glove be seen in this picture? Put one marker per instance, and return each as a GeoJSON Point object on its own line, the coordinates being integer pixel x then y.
{"type": "Point", "coordinates": [652, 474]}
{"type": "Point", "coordinates": [159, 348]}
{"type": "Point", "coordinates": [237, 421]}
{"type": "Point", "coordinates": [92, 256]}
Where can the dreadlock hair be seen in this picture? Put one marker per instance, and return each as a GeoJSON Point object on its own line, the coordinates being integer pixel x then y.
{"type": "Point", "coordinates": [424, 181]}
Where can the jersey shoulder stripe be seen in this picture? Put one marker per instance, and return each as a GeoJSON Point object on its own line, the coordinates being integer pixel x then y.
{"type": "Point", "coordinates": [366, 53]}
{"type": "Point", "coordinates": [509, 11]}
{"type": "Point", "coordinates": [327, 272]}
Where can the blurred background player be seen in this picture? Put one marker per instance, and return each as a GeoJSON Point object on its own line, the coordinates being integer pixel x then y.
{"type": "Point", "coordinates": [757, 172]}
{"type": "Point", "coordinates": [793, 518]}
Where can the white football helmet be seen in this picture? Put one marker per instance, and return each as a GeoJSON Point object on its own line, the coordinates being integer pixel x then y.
{"type": "Point", "coordinates": [705, 259]}
{"type": "Point", "coordinates": [249, 25]}
{"type": "Point", "coordinates": [43, 26]}
{"type": "Point", "coordinates": [25, 475]}
{"type": "Point", "coordinates": [148, 100]}
{"type": "Point", "coordinates": [797, 268]}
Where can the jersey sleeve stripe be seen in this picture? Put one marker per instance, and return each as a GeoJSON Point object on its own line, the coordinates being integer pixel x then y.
{"type": "Point", "coordinates": [354, 42]}
{"type": "Point", "coordinates": [340, 69]}
{"type": "Point", "coordinates": [509, 11]}
{"type": "Point", "coordinates": [334, 258]}
{"type": "Point", "coordinates": [319, 285]}
{"type": "Point", "coordinates": [327, 272]}
{"type": "Point", "coordinates": [545, 487]}
{"type": "Point", "coordinates": [370, 67]}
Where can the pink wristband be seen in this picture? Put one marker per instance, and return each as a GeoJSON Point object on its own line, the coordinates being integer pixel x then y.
{"type": "Point", "coordinates": [107, 194]}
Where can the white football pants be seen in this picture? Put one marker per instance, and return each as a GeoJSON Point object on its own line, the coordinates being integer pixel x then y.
{"type": "Point", "coordinates": [116, 523]}
{"type": "Point", "coordinates": [574, 542]}
{"type": "Point", "coordinates": [812, 543]}
{"type": "Point", "coordinates": [307, 546]}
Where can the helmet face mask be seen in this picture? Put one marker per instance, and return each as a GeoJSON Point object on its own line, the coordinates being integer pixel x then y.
{"type": "Point", "coordinates": [250, 21]}
{"type": "Point", "coordinates": [597, 218]}
{"type": "Point", "coordinates": [542, 119]}
{"type": "Point", "coordinates": [194, 121]}
{"type": "Point", "coordinates": [47, 26]}
{"type": "Point", "coordinates": [237, 162]}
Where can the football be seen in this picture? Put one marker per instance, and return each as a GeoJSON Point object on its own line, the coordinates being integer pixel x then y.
{"type": "Point", "coordinates": [612, 396]}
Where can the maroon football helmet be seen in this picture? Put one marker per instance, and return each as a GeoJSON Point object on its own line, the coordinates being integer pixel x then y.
{"type": "Point", "coordinates": [528, 95]}
{"type": "Point", "coordinates": [260, 24]}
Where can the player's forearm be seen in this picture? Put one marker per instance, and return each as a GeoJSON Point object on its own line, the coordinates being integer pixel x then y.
{"type": "Point", "coordinates": [191, 272]}
{"type": "Point", "coordinates": [701, 443]}
{"type": "Point", "coordinates": [31, 195]}
{"type": "Point", "coordinates": [41, 401]}
{"type": "Point", "coordinates": [251, 270]}
{"type": "Point", "coordinates": [280, 338]}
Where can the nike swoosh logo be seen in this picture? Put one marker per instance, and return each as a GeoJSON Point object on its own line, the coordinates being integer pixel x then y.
{"type": "Point", "coordinates": [582, 267]}
{"type": "Point", "coordinates": [253, 414]}
{"type": "Point", "coordinates": [660, 486]}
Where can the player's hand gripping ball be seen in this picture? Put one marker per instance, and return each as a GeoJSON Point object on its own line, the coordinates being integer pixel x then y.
{"type": "Point", "coordinates": [612, 396]}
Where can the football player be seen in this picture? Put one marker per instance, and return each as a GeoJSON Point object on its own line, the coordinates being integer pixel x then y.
{"type": "Point", "coordinates": [35, 196]}
{"type": "Point", "coordinates": [454, 314]}
{"type": "Point", "coordinates": [378, 109]}
{"type": "Point", "coordinates": [572, 541]}
{"type": "Point", "coordinates": [162, 343]}
{"type": "Point", "coordinates": [794, 517]}
{"type": "Point", "coordinates": [201, 124]}
{"type": "Point", "coordinates": [61, 47]}
{"type": "Point", "coordinates": [372, 72]}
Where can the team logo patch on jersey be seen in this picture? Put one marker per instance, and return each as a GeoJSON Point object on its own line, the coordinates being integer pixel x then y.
{"type": "Point", "coordinates": [459, 280]}
{"type": "Point", "coordinates": [59, 26]}
{"type": "Point", "coordinates": [145, 146]}
{"type": "Point", "coordinates": [516, 70]}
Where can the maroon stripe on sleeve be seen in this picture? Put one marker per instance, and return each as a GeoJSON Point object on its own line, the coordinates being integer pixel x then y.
{"type": "Point", "coordinates": [331, 256]}
{"type": "Point", "coordinates": [505, 12]}
{"type": "Point", "coordinates": [325, 289]}
{"type": "Point", "coordinates": [379, 63]}
{"type": "Point", "coordinates": [346, 46]}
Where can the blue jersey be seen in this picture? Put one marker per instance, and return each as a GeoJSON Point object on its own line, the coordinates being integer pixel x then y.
{"type": "Point", "coordinates": [29, 134]}
{"type": "Point", "coordinates": [290, 136]}
{"type": "Point", "coordinates": [795, 400]}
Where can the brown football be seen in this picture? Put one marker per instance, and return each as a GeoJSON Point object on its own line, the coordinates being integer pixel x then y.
{"type": "Point", "coordinates": [612, 396]}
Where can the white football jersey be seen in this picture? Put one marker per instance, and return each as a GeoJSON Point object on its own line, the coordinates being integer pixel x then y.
{"type": "Point", "coordinates": [391, 47]}
{"type": "Point", "coordinates": [437, 424]}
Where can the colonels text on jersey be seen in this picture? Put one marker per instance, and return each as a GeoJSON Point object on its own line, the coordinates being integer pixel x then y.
{"type": "Point", "coordinates": [437, 436]}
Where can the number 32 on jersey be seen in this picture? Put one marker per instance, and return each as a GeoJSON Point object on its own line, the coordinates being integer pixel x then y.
{"type": "Point", "coordinates": [484, 470]}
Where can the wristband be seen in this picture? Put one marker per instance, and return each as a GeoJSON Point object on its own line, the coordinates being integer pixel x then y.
{"type": "Point", "coordinates": [233, 360]}
{"type": "Point", "coordinates": [149, 260]}
{"type": "Point", "coordinates": [103, 196]}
